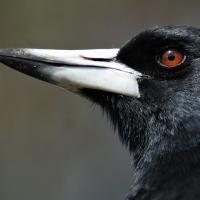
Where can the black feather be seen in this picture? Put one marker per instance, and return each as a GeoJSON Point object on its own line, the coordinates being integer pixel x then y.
{"type": "Point", "coordinates": [162, 127]}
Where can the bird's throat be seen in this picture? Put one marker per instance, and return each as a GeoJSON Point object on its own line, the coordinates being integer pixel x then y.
{"type": "Point", "coordinates": [164, 168]}
{"type": "Point", "coordinates": [167, 177]}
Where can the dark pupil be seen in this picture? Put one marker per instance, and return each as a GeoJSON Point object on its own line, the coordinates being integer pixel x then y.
{"type": "Point", "coordinates": [171, 56]}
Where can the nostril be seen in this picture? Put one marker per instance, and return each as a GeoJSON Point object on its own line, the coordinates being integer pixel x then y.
{"type": "Point", "coordinates": [97, 59]}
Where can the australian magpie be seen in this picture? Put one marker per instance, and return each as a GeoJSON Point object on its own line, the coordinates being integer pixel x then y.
{"type": "Point", "coordinates": [150, 89]}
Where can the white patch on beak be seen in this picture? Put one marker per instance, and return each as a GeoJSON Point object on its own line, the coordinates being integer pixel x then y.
{"type": "Point", "coordinates": [76, 69]}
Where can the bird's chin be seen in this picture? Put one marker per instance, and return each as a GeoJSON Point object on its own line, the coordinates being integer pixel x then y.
{"type": "Point", "coordinates": [105, 99]}
{"type": "Point", "coordinates": [98, 96]}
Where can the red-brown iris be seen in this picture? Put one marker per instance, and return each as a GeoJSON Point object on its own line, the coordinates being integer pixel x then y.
{"type": "Point", "coordinates": [171, 58]}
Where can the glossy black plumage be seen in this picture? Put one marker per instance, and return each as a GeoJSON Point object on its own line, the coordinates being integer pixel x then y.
{"type": "Point", "coordinates": [162, 128]}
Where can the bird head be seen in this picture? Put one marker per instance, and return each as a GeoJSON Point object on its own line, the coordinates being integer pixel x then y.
{"type": "Point", "coordinates": [149, 88]}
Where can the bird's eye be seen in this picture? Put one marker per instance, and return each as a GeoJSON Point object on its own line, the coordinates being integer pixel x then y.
{"type": "Point", "coordinates": [171, 58]}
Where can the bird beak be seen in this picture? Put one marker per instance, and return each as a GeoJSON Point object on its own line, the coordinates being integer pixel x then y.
{"type": "Point", "coordinates": [75, 69]}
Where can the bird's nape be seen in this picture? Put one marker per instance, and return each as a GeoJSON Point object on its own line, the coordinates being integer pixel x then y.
{"type": "Point", "coordinates": [150, 90]}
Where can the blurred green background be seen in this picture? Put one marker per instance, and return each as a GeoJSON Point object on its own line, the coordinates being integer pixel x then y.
{"type": "Point", "coordinates": [55, 145]}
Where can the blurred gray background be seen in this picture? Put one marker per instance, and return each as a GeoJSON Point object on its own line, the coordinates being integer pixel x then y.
{"type": "Point", "coordinates": [55, 145]}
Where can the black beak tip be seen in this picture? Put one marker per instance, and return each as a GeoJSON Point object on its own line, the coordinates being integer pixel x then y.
{"type": "Point", "coordinates": [7, 57]}
{"type": "Point", "coordinates": [26, 66]}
